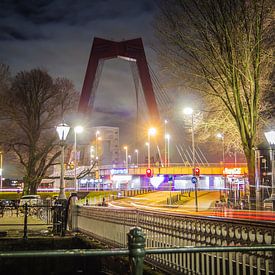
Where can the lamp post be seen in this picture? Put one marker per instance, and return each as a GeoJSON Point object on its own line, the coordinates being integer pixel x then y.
{"type": "Point", "coordinates": [77, 130]}
{"type": "Point", "coordinates": [136, 151]}
{"type": "Point", "coordinates": [148, 154]}
{"type": "Point", "coordinates": [270, 136]}
{"type": "Point", "coordinates": [221, 136]}
{"type": "Point", "coordinates": [165, 143]}
{"type": "Point", "coordinates": [167, 139]}
{"type": "Point", "coordinates": [151, 132]}
{"type": "Point", "coordinates": [96, 144]}
{"type": "Point", "coordinates": [126, 157]}
{"type": "Point", "coordinates": [62, 130]}
{"type": "Point", "coordinates": [189, 111]}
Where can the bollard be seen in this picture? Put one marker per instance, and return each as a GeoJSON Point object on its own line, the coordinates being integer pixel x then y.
{"type": "Point", "coordinates": [136, 246]}
{"type": "Point", "coordinates": [25, 237]}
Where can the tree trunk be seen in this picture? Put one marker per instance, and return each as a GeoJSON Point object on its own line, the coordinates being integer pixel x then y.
{"type": "Point", "coordinates": [250, 158]}
{"type": "Point", "coordinates": [30, 186]}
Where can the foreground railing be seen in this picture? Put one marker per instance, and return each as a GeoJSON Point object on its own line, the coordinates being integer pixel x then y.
{"type": "Point", "coordinates": [166, 230]}
{"type": "Point", "coordinates": [137, 252]}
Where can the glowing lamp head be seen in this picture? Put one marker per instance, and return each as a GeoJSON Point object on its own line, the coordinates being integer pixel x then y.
{"type": "Point", "coordinates": [152, 132]}
{"type": "Point", "coordinates": [188, 111]}
{"type": "Point", "coordinates": [78, 129]}
{"type": "Point", "coordinates": [62, 131]}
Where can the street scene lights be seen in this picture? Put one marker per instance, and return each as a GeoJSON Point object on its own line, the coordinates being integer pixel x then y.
{"type": "Point", "coordinates": [189, 111]}
{"type": "Point", "coordinates": [221, 137]}
{"type": "Point", "coordinates": [96, 144]}
{"type": "Point", "coordinates": [77, 130]}
{"type": "Point", "coordinates": [126, 157]}
{"type": "Point", "coordinates": [136, 151]}
{"type": "Point", "coordinates": [165, 142]}
{"type": "Point", "coordinates": [151, 132]}
{"type": "Point", "coordinates": [270, 137]}
{"type": "Point", "coordinates": [62, 131]}
{"type": "Point", "coordinates": [148, 154]}
{"type": "Point", "coordinates": [167, 139]}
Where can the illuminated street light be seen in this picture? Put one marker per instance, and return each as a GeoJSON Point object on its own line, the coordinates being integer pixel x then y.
{"type": "Point", "coordinates": [126, 157]}
{"type": "Point", "coordinates": [221, 136]}
{"type": "Point", "coordinates": [62, 130]}
{"type": "Point", "coordinates": [189, 111]}
{"type": "Point", "coordinates": [151, 132]}
{"type": "Point", "coordinates": [96, 144]}
{"type": "Point", "coordinates": [270, 136]}
{"type": "Point", "coordinates": [167, 138]}
{"type": "Point", "coordinates": [136, 151]}
{"type": "Point", "coordinates": [165, 143]}
{"type": "Point", "coordinates": [77, 130]}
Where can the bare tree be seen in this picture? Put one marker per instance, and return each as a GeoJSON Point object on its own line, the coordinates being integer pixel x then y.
{"type": "Point", "coordinates": [31, 106]}
{"type": "Point", "coordinates": [223, 50]}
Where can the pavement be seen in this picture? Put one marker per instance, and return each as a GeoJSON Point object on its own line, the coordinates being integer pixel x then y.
{"type": "Point", "coordinates": [12, 226]}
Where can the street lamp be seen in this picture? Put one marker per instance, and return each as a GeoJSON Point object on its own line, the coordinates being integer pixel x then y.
{"type": "Point", "coordinates": [126, 157]}
{"type": "Point", "coordinates": [148, 154]}
{"type": "Point", "coordinates": [221, 136]}
{"type": "Point", "coordinates": [167, 138]}
{"type": "Point", "coordinates": [96, 144]}
{"type": "Point", "coordinates": [62, 130]}
{"type": "Point", "coordinates": [270, 136]}
{"type": "Point", "coordinates": [136, 151]}
{"type": "Point", "coordinates": [151, 132]}
{"type": "Point", "coordinates": [77, 130]}
{"type": "Point", "coordinates": [165, 143]}
{"type": "Point", "coordinates": [189, 111]}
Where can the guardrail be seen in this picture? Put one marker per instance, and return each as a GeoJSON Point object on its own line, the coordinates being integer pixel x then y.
{"type": "Point", "coordinates": [137, 254]}
{"type": "Point", "coordinates": [166, 230]}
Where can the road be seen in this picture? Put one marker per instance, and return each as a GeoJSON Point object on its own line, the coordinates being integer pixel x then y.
{"type": "Point", "coordinates": [206, 201]}
{"type": "Point", "coordinates": [158, 201]}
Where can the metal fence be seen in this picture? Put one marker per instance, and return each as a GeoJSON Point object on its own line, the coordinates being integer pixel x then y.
{"type": "Point", "coordinates": [32, 219]}
{"type": "Point", "coordinates": [165, 231]}
{"type": "Point", "coordinates": [205, 260]}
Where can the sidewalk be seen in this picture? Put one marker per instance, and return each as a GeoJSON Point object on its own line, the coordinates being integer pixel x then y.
{"type": "Point", "coordinates": [14, 226]}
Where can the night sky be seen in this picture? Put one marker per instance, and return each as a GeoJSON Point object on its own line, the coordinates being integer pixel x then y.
{"type": "Point", "coordinates": [58, 35]}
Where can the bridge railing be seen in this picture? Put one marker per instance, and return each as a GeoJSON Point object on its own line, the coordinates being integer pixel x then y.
{"type": "Point", "coordinates": [202, 264]}
{"type": "Point", "coordinates": [166, 230]}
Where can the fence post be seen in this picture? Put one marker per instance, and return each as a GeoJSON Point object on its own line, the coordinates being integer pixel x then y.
{"type": "Point", "coordinates": [25, 237]}
{"type": "Point", "coordinates": [136, 246]}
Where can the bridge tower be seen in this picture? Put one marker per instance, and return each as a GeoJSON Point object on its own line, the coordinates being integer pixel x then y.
{"type": "Point", "coordinates": [131, 50]}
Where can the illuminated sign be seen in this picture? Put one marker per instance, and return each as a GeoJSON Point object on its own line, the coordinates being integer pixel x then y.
{"type": "Point", "coordinates": [157, 180]}
{"type": "Point", "coordinates": [119, 171]}
{"type": "Point", "coordinates": [123, 178]}
{"type": "Point", "coordinates": [232, 171]}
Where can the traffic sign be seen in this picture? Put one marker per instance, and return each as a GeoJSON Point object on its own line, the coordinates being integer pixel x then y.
{"type": "Point", "coordinates": [194, 179]}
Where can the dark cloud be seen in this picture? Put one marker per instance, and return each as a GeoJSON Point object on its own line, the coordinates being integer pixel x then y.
{"type": "Point", "coordinates": [58, 35]}
{"type": "Point", "coordinates": [43, 13]}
